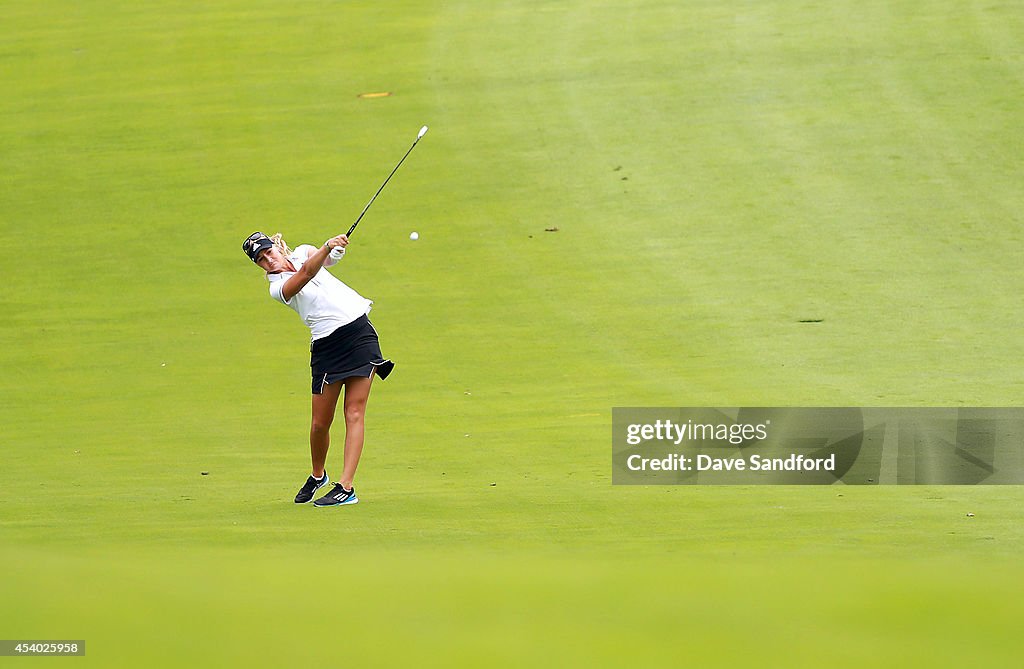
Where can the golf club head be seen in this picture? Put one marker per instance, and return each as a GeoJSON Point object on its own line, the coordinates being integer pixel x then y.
{"type": "Point", "coordinates": [423, 131]}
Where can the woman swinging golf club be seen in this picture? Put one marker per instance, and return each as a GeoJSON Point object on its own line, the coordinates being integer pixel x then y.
{"type": "Point", "coordinates": [345, 351]}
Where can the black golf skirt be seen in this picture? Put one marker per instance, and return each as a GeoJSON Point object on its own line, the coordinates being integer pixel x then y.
{"type": "Point", "coordinates": [351, 350]}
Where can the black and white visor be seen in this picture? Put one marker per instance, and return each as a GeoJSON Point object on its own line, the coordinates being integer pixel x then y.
{"type": "Point", "coordinates": [255, 244]}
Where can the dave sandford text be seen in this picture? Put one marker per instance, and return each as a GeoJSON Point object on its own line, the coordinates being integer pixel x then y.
{"type": "Point", "coordinates": [666, 431]}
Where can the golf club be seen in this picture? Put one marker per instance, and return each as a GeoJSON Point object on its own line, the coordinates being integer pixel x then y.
{"type": "Point", "coordinates": [337, 254]}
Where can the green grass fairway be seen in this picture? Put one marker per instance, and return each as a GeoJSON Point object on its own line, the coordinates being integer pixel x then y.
{"type": "Point", "coordinates": [619, 204]}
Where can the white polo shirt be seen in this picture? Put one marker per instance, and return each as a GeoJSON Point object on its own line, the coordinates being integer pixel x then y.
{"type": "Point", "coordinates": [325, 303]}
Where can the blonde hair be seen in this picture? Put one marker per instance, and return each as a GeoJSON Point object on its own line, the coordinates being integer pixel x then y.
{"type": "Point", "coordinates": [281, 245]}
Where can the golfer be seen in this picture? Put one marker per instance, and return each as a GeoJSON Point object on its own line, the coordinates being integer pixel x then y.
{"type": "Point", "coordinates": [345, 351]}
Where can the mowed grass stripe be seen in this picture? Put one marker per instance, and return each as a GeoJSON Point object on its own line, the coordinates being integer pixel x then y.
{"type": "Point", "coordinates": [720, 614]}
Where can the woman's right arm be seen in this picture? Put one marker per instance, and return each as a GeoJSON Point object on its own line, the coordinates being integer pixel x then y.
{"type": "Point", "coordinates": [309, 269]}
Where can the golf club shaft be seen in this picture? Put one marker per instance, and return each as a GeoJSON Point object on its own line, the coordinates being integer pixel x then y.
{"type": "Point", "coordinates": [422, 132]}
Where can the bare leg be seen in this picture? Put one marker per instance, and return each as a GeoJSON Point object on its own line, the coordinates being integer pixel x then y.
{"type": "Point", "coordinates": [324, 406]}
{"type": "Point", "coordinates": [357, 392]}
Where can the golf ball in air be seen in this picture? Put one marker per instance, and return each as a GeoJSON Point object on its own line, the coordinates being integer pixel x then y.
{"type": "Point", "coordinates": [414, 236]}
